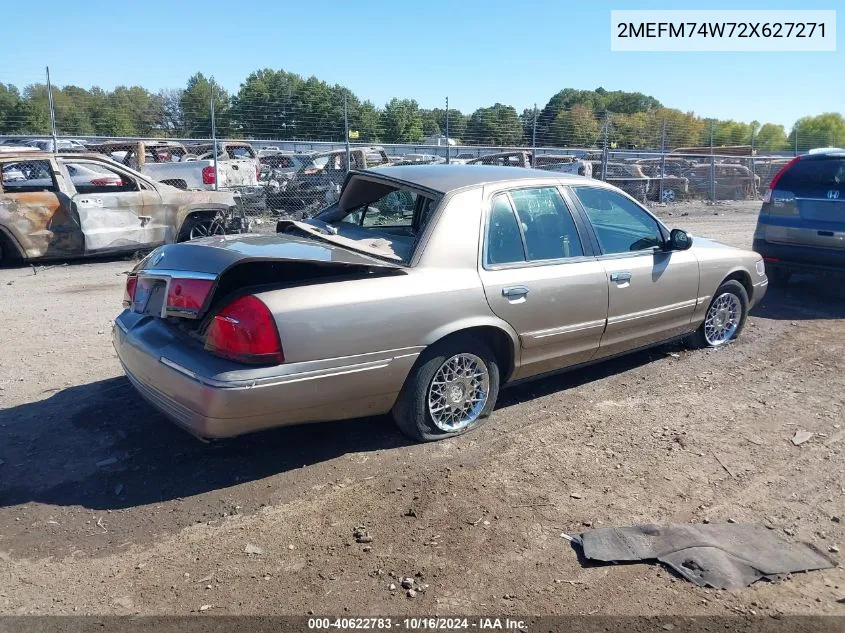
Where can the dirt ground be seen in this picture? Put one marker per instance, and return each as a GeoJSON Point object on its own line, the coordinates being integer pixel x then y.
{"type": "Point", "coordinates": [107, 508]}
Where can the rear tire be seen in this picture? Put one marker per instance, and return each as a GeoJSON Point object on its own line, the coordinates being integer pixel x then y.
{"type": "Point", "coordinates": [778, 277]}
{"type": "Point", "coordinates": [725, 317]}
{"type": "Point", "coordinates": [452, 389]}
{"type": "Point", "coordinates": [196, 227]}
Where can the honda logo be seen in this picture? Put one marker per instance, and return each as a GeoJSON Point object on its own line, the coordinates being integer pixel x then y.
{"type": "Point", "coordinates": [833, 194]}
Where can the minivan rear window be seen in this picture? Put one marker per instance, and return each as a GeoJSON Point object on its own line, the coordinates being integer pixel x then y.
{"type": "Point", "coordinates": [814, 174]}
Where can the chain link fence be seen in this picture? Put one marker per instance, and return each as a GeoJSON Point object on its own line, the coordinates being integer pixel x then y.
{"type": "Point", "coordinates": [285, 143]}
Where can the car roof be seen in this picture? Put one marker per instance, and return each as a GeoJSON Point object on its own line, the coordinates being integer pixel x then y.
{"type": "Point", "coordinates": [446, 178]}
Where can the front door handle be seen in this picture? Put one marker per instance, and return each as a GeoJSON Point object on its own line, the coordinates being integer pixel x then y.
{"type": "Point", "coordinates": [620, 278]}
{"type": "Point", "coordinates": [514, 292]}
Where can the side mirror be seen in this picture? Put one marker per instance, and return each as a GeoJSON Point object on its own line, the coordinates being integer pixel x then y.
{"type": "Point", "coordinates": [679, 240]}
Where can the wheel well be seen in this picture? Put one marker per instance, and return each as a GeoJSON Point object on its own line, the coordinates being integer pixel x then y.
{"type": "Point", "coordinates": [500, 344]}
{"type": "Point", "coordinates": [744, 278]}
{"type": "Point", "coordinates": [199, 214]}
{"type": "Point", "coordinates": [9, 249]}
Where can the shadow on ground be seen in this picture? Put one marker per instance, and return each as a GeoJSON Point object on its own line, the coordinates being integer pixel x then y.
{"type": "Point", "coordinates": [806, 297]}
{"type": "Point", "coordinates": [100, 446]}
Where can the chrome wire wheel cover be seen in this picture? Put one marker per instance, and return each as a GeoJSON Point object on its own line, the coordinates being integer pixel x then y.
{"type": "Point", "coordinates": [722, 319]}
{"type": "Point", "coordinates": [458, 392]}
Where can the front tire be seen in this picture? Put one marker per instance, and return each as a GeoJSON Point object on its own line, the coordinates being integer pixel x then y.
{"type": "Point", "coordinates": [725, 316]}
{"type": "Point", "coordinates": [451, 390]}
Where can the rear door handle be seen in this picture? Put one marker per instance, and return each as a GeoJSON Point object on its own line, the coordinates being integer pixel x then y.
{"type": "Point", "coordinates": [620, 278]}
{"type": "Point", "coordinates": [514, 292]}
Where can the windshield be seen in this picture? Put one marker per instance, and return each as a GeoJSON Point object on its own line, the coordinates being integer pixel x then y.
{"type": "Point", "coordinates": [377, 218]}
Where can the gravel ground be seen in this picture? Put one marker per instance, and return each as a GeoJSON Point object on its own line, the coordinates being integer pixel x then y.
{"type": "Point", "coordinates": [107, 508]}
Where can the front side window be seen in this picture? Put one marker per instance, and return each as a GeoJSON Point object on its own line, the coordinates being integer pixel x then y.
{"type": "Point", "coordinates": [621, 226]}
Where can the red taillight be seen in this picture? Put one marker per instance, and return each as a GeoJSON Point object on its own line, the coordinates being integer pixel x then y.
{"type": "Point", "coordinates": [108, 181]}
{"type": "Point", "coordinates": [258, 171]}
{"type": "Point", "coordinates": [311, 171]}
{"type": "Point", "coordinates": [129, 292]}
{"type": "Point", "coordinates": [245, 331]}
{"type": "Point", "coordinates": [208, 175]}
{"type": "Point", "coordinates": [187, 295]}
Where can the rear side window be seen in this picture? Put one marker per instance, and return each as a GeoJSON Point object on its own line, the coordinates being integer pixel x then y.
{"type": "Point", "coordinates": [814, 175]}
{"type": "Point", "coordinates": [27, 176]}
{"type": "Point", "coordinates": [530, 225]}
{"type": "Point", "coordinates": [548, 226]}
{"type": "Point", "coordinates": [504, 241]}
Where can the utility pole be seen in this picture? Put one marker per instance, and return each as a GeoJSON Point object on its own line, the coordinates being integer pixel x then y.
{"type": "Point", "coordinates": [346, 127]}
{"type": "Point", "coordinates": [448, 145]}
{"type": "Point", "coordinates": [796, 139]}
{"type": "Point", "coordinates": [534, 139]}
{"type": "Point", "coordinates": [52, 111]}
{"type": "Point", "coordinates": [213, 132]}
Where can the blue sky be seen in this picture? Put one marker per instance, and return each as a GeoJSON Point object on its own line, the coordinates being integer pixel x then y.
{"type": "Point", "coordinates": [475, 52]}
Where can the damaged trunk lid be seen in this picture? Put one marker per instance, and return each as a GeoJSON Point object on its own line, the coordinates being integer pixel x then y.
{"type": "Point", "coordinates": [189, 279]}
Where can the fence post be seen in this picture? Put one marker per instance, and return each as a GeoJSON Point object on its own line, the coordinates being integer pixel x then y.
{"type": "Point", "coordinates": [753, 168]}
{"type": "Point", "coordinates": [712, 166]}
{"type": "Point", "coordinates": [662, 159]}
{"type": "Point", "coordinates": [534, 139]}
{"type": "Point", "coordinates": [605, 134]}
{"type": "Point", "coordinates": [448, 146]}
{"type": "Point", "coordinates": [213, 132]}
{"type": "Point", "coordinates": [52, 112]}
{"type": "Point", "coordinates": [346, 129]}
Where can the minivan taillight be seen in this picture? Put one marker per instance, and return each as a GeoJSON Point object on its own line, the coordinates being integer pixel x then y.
{"type": "Point", "coordinates": [245, 331]}
{"type": "Point", "coordinates": [186, 297]}
{"type": "Point", "coordinates": [129, 291]}
{"type": "Point", "coordinates": [208, 176]}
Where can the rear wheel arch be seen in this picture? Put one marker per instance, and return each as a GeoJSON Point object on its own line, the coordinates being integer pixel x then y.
{"type": "Point", "coordinates": [192, 217]}
{"type": "Point", "coordinates": [502, 343]}
{"type": "Point", "coordinates": [10, 249]}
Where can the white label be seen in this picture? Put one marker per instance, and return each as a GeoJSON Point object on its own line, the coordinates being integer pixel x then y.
{"type": "Point", "coordinates": [738, 31]}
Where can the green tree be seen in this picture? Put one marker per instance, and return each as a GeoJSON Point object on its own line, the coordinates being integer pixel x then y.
{"type": "Point", "coordinates": [10, 100]}
{"type": "Point", "coordinates": [402, 121]}
{"type": "Point", "coordinates": [196, 108]}
{"type": "Point", "coordinates": [576, 127]}
{"type": "Point", "coordinates": [496, 125]}
{"type": "Point", "coordinates": [771, 137]}
{"type": "Point", "coordinates": [824, 130]}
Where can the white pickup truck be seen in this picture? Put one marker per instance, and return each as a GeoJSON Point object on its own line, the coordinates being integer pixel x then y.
{"type": "Point", "coordinates": [193, 169]}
